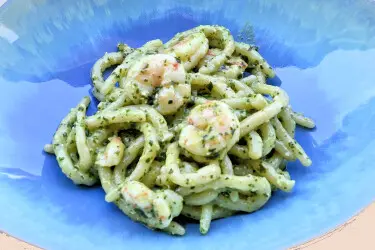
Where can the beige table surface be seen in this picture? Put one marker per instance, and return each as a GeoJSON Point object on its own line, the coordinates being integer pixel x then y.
{"type": "Point", "coordinates": [355, 234]}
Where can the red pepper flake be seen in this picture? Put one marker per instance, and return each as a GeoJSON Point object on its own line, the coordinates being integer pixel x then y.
{"type": "Point", "coordinates": [190, 121]}
{"type": "Point", "coordinates": [209, 53]}
{"type": "Point", "coordinates": [117, 139]}
{"type": "Point", "coordinates": [175, 66]}
{"type": "Point", "coordinates": [141, 194]}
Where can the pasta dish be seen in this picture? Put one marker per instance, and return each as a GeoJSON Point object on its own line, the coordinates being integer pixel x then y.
{"type": "Point", "coordinates": [186, 128]}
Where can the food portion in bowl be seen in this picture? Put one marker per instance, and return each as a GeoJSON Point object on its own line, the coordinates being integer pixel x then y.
{"type": "Point", "coordinates": [189, 127]}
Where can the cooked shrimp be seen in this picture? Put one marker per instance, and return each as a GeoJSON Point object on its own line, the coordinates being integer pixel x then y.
{"type": "Point", "coordinates": [189, 48]}
{"type": "Point", "coordinates": [160, 75]}
{"type": "Point", "coordinates": [211, 131]}
{"type": "Point", "coordinates": [156, 209]}
{"type": "Point", "coordinates": [217, 36]}
{"type": "Point", "coordinates": [113, 153]}
{"type": "Point", "coordinates": [231, 69]}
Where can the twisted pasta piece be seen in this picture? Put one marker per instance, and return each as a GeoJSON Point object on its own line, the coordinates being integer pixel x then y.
{"type": "Point", "coordinates": [298, 151]}
{"type": "Point", "coordinates": [247, 204]}
{"type": "Point", "coordinates": [284, 151]}
{"type": "Point", "coordinates": [268, 134]}
{"type": "Point", "coordinates": [202, 198]}
{"type": "Point", "coordinates": [121, 115]}
{"type": "Point", "coordinates": [202, 176]}
{"type": "Point", "coordinates": [158, 122]}
{"type": "Point", "coordinates": [108, 60]}
{"type": "Point", "coordinates": [280, 100]}
{"type": "Point", "coordinates": [303, 121]}
{"type": "Point", "coordinates": [270, 171]}
{"type": "Point", "coordinates": [150, 150]}
{"type": "Point", "coordinates": [60, 148]}
{"type": "Point", "coordinates": [242, 184]}
{"type": "Point", "coordinates": [194, 212]}
{"type": "Point", "coordinates": [130, 154]}
{"type": "Point", "coordinates": [255, 145]}
{"type": "Point", "coordinates": [254, 58]}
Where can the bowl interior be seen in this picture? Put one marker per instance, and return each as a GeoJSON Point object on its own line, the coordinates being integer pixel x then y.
{"type": "Point", "coordinates": [323, 54]}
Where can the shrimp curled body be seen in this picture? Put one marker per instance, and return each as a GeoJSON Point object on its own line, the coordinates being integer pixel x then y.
{"type": "Point", "coordinates": [189, 48]}
{"type": "Point", "coordinates": [159, 76]}
{"type": "Point", "coordinates": [154, 208]}
{"type": "Point", "coordinates": [211, 131]}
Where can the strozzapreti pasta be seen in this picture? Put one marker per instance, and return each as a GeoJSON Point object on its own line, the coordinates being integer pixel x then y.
{"type": "Point", "coordinates": [186, 128]}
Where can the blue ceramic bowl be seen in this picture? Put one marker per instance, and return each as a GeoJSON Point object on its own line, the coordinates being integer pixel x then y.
{"type": "Point", "coordinates": [324, 56]}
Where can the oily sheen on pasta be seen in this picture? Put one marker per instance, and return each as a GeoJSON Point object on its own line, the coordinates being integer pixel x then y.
{"type": "Point", "coordinates": [186, 128]}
